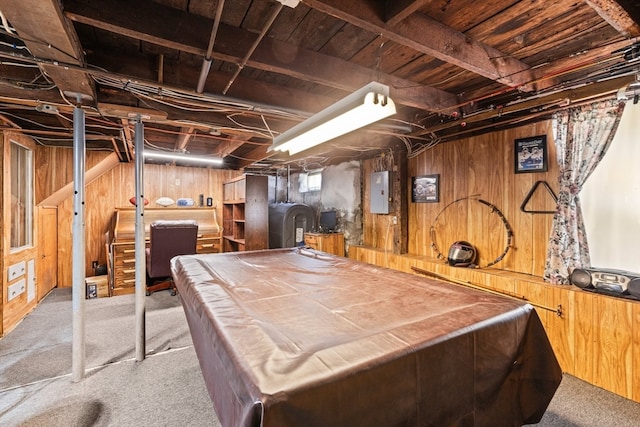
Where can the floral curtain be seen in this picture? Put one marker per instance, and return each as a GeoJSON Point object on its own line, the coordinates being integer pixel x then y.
{"type": "Point", "coordinates": [582, 136]}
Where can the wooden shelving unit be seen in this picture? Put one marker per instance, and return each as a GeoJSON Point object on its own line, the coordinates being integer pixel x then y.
{"type": "Point", "coordinates": [245, 213]}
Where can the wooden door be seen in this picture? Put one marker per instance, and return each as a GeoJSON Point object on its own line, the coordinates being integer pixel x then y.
{"type": "Point", "coordinates": [47, 266]}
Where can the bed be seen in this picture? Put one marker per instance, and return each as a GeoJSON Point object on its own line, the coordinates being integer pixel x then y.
{"type": "Point", "coordinates": [296, 337]}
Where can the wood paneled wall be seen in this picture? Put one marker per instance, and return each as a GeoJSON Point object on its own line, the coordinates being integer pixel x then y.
{"type": "Point", "coordinates": [114, 189]}
{"type": "Point", "coordinates": [480, 166]}
{"type": "Point", "coordinates": [596, 339]}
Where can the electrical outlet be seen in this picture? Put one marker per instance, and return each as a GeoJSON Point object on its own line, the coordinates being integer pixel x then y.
{"type": "Point", "coordinates": [395, 220]}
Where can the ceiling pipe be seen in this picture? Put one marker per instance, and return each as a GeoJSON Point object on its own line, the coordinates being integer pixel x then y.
{"type": "Point", "coordinates": [244, 61]}
{"type": "Point", "coordinates": [206, 62]}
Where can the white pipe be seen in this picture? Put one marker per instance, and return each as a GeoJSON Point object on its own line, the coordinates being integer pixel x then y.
{"type": "Point", "coordinates": [78, 247]}
{"type": "Point", "coordinates": [140, 281]}
{"type": "Point", "coordinates": [254, 46]}
{"type": "Point", "coordinates": [206, 62]}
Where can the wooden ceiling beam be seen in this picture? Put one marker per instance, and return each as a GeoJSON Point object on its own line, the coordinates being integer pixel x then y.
{"type": "Point", "coordinates": [131, 66]}
{"type": "Point", "coordinates": [8, 121]}
{"type": "Point", "coordinates": [229, 145]}
{"type": "Point", "coordinates": [159, 27]}
{"type": "Point", "coordinates": [257, 154]}
{"type": "Point", "coordinates": [128, 140]}
{"type": "Point", "coordinates": [432, 38]}
{"type": "Point", "coordinates": [563, 98]}
{"type": "Point", "coordinates": [616, 16]}
{"type": "Point", "coordinates": [42, 26]}
{"type": "Point", "coordinates": [397, 10]}
{"type": "Point", "coordinates": [186, 133]}
{"type": "Point", "coordinates": [552, 73]}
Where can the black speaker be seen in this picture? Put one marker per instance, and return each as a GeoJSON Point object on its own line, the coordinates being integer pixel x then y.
{"type": "Point", "coordinates": [619, 283]}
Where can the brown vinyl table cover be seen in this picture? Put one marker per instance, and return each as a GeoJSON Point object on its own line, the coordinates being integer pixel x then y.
{"type": "Point", "coordinates": [295, 337]}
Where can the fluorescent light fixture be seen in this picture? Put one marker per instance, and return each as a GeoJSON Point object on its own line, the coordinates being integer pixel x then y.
{"type": "Point", "coordinates": [182, 157]}
{"type": "Point", "coordinates": [363, 107]}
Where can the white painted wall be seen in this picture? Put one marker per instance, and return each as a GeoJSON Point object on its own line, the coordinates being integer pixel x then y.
{"type": "Point", "coordinates": [610, 199]}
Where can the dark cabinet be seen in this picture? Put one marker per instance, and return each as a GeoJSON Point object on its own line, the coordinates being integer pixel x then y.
{"type": "Point", "coordinates": [245, 213]}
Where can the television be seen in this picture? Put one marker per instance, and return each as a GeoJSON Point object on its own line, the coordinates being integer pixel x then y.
{"type": "Point", "coordinates": [328, 222]}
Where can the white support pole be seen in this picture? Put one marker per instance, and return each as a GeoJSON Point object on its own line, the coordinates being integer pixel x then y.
{"type": "Point", "coordinates": [141, 288]}
{"type": "Point", "coordinates": [78, 249]}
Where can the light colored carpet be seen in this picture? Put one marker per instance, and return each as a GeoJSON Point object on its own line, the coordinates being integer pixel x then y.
{"type": "Point", "coordinates": [163, 390]}
{"type": "Point", "coordinates": [167, 389]}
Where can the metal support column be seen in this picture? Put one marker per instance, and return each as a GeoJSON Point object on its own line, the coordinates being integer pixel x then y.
{"type": "Point", "coordinates": [78, 250]}
{"type": "Point", "coordinates": [141, 288]}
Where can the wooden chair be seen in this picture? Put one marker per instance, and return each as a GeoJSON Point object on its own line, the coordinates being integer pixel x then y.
{"type": "Point", "coordinates": [168, 239]}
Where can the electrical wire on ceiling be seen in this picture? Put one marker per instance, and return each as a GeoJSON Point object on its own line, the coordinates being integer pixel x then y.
{"type": "Point", "coordinates": [22, 85]}
{"type": "Point", "coordinates": [189, 101]}
{"type": "Point", "coordinates": [423, 143]}
{"type": "Point", "coordinates": [231, 118]}
{"type": "Point", "coordinates": [415, 149]}
{"type": "Point", "coordinates": [603, 74]}
{"type": "Point", "coordinates": [184, 100]}
{"type": "Point", "coordinates": [5, 24]}
{"type": "Point", "coordinates": [384, 161]}
{"type": "Point", "coordinates": [15, 116]}
{"type": "Point", "coordinates": [16, 64]}
{"type": "Point", "coordinates": [33, 39]}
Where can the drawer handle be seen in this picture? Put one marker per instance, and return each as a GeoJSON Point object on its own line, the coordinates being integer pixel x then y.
{"type": "Point", "coordinates": [128, 251]}
{"type": "Point", "coordinates": [128, 260]}
{"type": "Point", "coordinates": [207, 245]}
{"type": "Point", "coordinates": [129, 271]}
{"type": "Point", "coordinates": [129, 281]}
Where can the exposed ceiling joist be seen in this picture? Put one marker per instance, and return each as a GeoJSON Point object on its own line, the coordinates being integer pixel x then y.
{"type": "Point", "coordinates": [48, 34]}
{"type": "Point", "coordinates": [432, 38]}
{"type": "Point", "coordinates": [566, 98]}
{"type": "Point", "coordinates": [492, 65]}
{"type": "Point", "coordinates": [229, 145]}
{"type": "Point", "coordinates": [186, 134]}
{"type": "Point", "coordinates": [616, 16]}
{"type": "Point", "coordinates": [397, 10]}
{"type": "Point", "coordinates": [233, 43]}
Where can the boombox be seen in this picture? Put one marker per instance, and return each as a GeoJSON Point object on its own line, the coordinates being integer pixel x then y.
{"type": "Point", "coordinates": [619, 283]}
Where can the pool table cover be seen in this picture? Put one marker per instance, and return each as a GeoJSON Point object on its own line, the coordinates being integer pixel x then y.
{"type": "Point", "coordinates": [297, 337]}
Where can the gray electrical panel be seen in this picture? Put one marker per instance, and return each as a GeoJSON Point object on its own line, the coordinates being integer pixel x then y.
{"type": "Point", "coordinates": [380, 192]}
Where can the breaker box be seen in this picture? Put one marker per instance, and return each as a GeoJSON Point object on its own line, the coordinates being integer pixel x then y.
{"type": "Point", "coordinates": [380, 192]}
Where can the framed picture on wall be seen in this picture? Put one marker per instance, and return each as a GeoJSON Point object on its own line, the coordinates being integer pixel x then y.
{"type": "Point", "coordinates": [531, 154]}
{"type": "Point", "coordinates": [425, 188]}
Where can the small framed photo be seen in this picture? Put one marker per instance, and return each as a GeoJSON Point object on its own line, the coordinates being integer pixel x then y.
{"type": "Point", "coordinates": [531, 154]}
{"type": "Point", "coordinates": [425, 189]}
